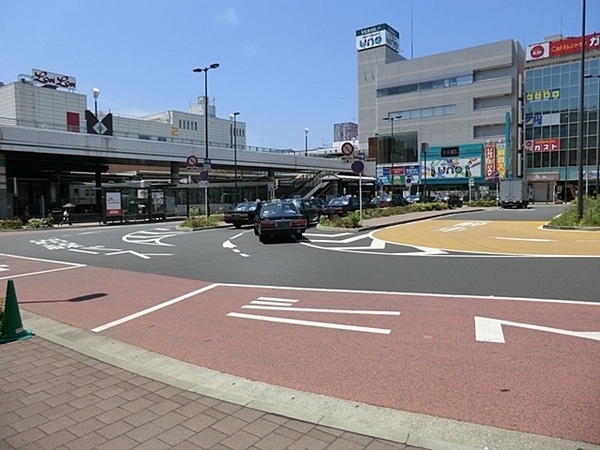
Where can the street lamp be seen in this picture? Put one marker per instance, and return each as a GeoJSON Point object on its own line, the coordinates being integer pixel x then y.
{"type": "Point", "coordinates": [306, 142]}
{"type": "Point", "coordinates": [393, 147]}
{"type": "Point", "coordinates": [581, 98]}
{"type": "Point", "coordinates": [96, 93]}
{"type": "Point", "coordinates": [205, 70]}
{"type": "Point", "coordinates": [597, 132]}
{"type": "Point", "coordinates": [233, 116]}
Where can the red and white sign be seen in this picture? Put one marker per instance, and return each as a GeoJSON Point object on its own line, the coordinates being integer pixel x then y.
{"type": "Point", "coordinates": [490, 160]}
{"type": "Point", "coordinates": [552, 49]}
{"type": "Point", "coordinates": [545, 145]}
{"type": "Point", "coordinates": [347, 148]}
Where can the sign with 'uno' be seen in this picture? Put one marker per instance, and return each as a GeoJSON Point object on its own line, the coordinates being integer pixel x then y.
{"type": "Point", "coordinates": [376, 36]}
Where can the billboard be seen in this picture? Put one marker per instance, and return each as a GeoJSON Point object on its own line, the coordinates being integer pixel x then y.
{"type": "Point", "coordinates": [377, 36]}
{"type": "Point", "coordinates": [560, 47]}
{"type": "Point", "coordinates": [345, 131]}
{"type": "Point", "coordinates": [453, 168]}
{"type": "Point", "coordinates": [53, 79]}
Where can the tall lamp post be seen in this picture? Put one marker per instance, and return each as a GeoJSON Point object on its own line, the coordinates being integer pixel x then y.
{"type": "Point", "coordinates": [393, 147]}
{"type": "Point", "coordinates": [205, 70]}
{"type": "Point", "coordinates": [597, 133]}
{"type": "Point", "coordinates": [306, 142]}
{"type": "Point", "coordinates": [581, 98]}
{"type": "Point", "coordinates": [233, 116]}
{"type": "Point", "coordinates": [96, 93]}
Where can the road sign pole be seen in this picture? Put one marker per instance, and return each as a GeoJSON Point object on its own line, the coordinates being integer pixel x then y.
{"type": "Point", "coordinates": [206, 200]}
{"type": "Point", "coordinates": [360, 201]}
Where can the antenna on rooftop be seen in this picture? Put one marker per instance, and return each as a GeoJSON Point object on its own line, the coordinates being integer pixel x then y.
{"type": "Point", "coordinates": [411, 31]}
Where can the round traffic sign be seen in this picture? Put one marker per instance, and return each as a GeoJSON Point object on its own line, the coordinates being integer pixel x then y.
{"type": "Point", "coordinates": [347, 148]}
{"type": "Point", "coordinates": [358, 166]}
{"type": "Point", "coordinates": [203, 175]}
{"type": "Point", "coordinates": [192, 160]}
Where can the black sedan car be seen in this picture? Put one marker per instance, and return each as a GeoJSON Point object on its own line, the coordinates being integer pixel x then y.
{"type": "Point", "coordinates": [307, 207]}
{"type": "Point", "coordinates": [279, 219]}
{"type": "Point", "coordinates": [242, 214]}
{"type": "Point", "coordinates": [452, 200]}
{"type": "Point", "coordinates": [389, 200]}
{"type": "Point", "coordinates": [341, 206]}
{"type": "Point", "coordinates": [418, 198]}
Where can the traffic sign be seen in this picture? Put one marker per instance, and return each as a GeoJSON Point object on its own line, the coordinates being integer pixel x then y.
{"type": "Point", "coordinates": [203, 175]}
{"type": "Point", "coordinates": [347, 148]}
{"type": "Point", "coordinates": [471, 182]}
{"type": "Point", "coordinates": [192, 160]}
{"type": "Point", "coordinates": [358, 166]}
{"type": "Point", "coordinates": [207, 163]}
{"type": "Point", "coordinates": [361, 155]}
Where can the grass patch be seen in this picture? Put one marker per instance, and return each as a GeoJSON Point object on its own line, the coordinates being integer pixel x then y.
{"type": "Point", "coordinates": [202, 221]}
{"type": "Point", "coordinates": [570, 218]}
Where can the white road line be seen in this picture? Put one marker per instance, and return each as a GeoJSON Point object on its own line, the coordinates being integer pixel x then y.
{"type": "Point", "coordinates": [259, 302]}
{"type": "Point", "coordinates": [322, 310]}
{"type": "Point", "coordinates": [42, 272]}
{"type": "Point", "coordinates": [276, 299]}
{"type": "Point", "coordinates": [82, 251]}
{"type": "Point", "coordinates": [311, 323]}
{"type": "Point", "coordinates": [523, 239]}
{"type": "Point", "coordinates": [153, 308]}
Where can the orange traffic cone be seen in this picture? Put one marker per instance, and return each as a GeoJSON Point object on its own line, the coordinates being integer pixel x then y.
{"type": "Point", "coordinates": [11, 328]}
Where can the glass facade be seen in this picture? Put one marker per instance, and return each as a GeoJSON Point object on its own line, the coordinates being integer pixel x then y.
{"type": "Point", "coordinates": [425, 85]}
{"type": "Point", "coordinates": [402, 148]}
{"type": "Point", "coordinates": [552, 103]}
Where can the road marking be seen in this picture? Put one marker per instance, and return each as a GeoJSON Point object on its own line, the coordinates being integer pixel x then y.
{"type": "Point", "coordinates": [490, 330]}
{"type": "Point", "coordinates": [4, 267]}
{"type": "Point", "coordinates": [310, 323]}
{"type": "Point", "coordinates": [260, 302]}
{"type": "Point", "coordinates": [150, 237]}
{"type": "Point", "coordinates": [152, 309]}
{"type": "Point", "coordinates": [140, 255]}
{"type": "Point", "coordinates": [277, 299]}
{"type": "Point", "coordinates": [324, 310]}
{"type": "Point", "coordinates": [523, 239]}
{"type": "Point", "coordinates": [69, 266]}
{"type": "Point", "coordinates": [462, 226]}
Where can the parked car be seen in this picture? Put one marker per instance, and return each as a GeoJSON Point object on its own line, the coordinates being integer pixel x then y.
{"type": "Point", "coordinates": [389, 200]}
{"type": "Point", "coordinates": [307, 207]}
{"type": "Point", "coordinates": [418, 198]}
{"type": "Point", "coordinates": [242, 214]}
{"type": "Point", "coordinates": [279, 219]}
{"type": "Point", "coordinates": [452, 200]}
{"type": "Point", "coordinates": [341, 206]}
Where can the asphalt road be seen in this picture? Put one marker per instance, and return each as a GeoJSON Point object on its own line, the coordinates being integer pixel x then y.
{"type": "Point", "coordinates": [403, 258]}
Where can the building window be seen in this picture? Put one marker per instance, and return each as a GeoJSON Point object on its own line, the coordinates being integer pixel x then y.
{"type": "Point", "coordinates": [73, 122]}
{"type": "Point", "coordinates": [425, 85]}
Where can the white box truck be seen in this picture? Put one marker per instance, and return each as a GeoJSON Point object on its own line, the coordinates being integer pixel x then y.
{"type": "Point", "coordinates": [513, 193]}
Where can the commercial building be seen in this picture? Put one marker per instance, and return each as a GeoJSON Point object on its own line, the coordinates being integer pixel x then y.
{"type": "Point", "coordinates": [552, 116]}
{"type": "Point", "coordinates": [438, 122]}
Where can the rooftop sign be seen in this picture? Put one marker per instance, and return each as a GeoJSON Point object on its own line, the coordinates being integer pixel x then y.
{"type": "Point", "coordinates": [377, 36]}
{"type": "Point", "coordinates": [53, 79]}
{"type": "Point", "coordinates": [552, 49]}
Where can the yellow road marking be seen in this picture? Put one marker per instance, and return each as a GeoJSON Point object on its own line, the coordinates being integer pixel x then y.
{"type": "Point", "coordinates": [518, 238]}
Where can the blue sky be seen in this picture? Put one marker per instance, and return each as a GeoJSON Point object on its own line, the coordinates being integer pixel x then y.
{"type": "Point", "coordinates": [285, 65]}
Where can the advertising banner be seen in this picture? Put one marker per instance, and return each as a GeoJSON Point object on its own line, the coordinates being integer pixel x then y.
{"type": "Point", "coordinates": [113, 204]}
{"type": "Point", "coordinates": [376, 36]}
{"type": "Point", "coordinates": [543, 145]}
{"type": "Point", "coordinates": [453, 168]}
{"type": "Point", "coordinates": [490, 160]}
{"type": "Point", "coordinates": [561, 47]}
{"type": "Point", "coordinates": [501, 159]}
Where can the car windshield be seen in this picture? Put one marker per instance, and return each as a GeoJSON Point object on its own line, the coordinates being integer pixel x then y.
{"type": "Point", "coordinates": [413, 197]}
{"type": "Point", "coordinates": [297, 202]}
{"type": "Point", "coordinates": [279, 209]}
{"type": "Point", "coordinates": [339, 201]}
{"type": "Point", "coordinates": [245, 206]}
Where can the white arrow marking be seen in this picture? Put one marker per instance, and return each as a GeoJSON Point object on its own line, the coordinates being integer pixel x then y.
{"type": "Point", "coordinates": [490, 330]}
{"type": "Point", "coordinates": [141, 255]}
{"type": "Point", "coordinates": [4, 267]}
{"type": "Point", "coordinates": [310, 323]}
{"type": "Point", "coordinates": [228, 244]}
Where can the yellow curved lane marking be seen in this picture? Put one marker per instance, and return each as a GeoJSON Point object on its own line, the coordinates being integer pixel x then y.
{"type": "Point", "coordinates": [518, 238]}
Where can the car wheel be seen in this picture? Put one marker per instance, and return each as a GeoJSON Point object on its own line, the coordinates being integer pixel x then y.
{"type": "Point", "coordinates": [298, 235]}
{"type": "Point", "coordinates": [237, 225]}
{"type": "Point", "coordinates": [255, 232]}
{"type": "Point", "coordinates": [261, 238]}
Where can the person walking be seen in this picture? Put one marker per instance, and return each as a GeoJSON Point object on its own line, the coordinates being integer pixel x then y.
{"type": "Point", "coordinates": [66, 218]}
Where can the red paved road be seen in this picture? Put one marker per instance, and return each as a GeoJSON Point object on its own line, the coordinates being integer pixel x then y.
{"type": "Point", "coordinates": [430, 362]}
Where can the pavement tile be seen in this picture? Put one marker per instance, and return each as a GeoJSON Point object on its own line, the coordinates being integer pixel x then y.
{"type": "Point", "coordinates": [153, 444]}
{"type": "Point", "coordinates": [240, 440]}
{"type": "Point", "coordinates": [386, 445]}
{"type": "Point", "coordinates": [261, 427]}
{"type": "Point", "coordinates": [111, 403]}
{"type": "Point", "coordinates": [274, 441]}
{"type": "Point", "coordinates": [170, 420]}
{"type": "Point", "coordinates": [176, 434]}
{"type": "Point", "coordinates": [192, 409]}
{"type": "Point", "coordinates": [29, 422]}
{"type": "Point", "coordinates": [248, 414]}
{"type": "Point", "coordinates": [86, 427]}
{"type": "Point", "coordinates": [321, 435]}
{"type": "Point", "coordinates": [358, 438]}
{"type": "Point", "coordinates": [32, 410]}
{"type": "Point", "coordinates": [87, 400]}
{"type": "Point", "coordinates": [32, 388]}
{"type": "Point", "coordinates": [38, 397]}
{"type": "Point", "coordinates": [112, 415]}
{"type": "Point", "coordinates": [59, 411]}
{"type": "Point", "coordinates": [83, 414]}
{"type": "Point", "coordinates": [57, 400]}
{"type": "Point", "coordinates": [302, 427]}
{"type": "Point", "coordinates": [144, 432]}
{"type": "Point", "coordinates": [6, 431]}
{"type": "Point", "coordinates": [229, 425]}
{"type": "Point", "coordinates": [119, 443]}
{"type": "Point", "coordinates": [199, 422]}
{"type": "Point", "coordinates": [164, 407]}
{"type": "Point", "coordinates": [55, 425]}
{"type": "Point", "coordinates": [140, 418]}
{"type": "Point", "coordinates": [227, 408]}
{"type": "Point", "coordinates": [56, 439]}
{"type": "Point", "coordinates": [207, 438]}
{"type": "Point", "coordinates": [288, 432]}
{"type": "Point", "coordinates": [136, 405]}
{"type": "Point", "coordinates": [88, 442]}
{"type": "Point", "coordinates": [114, 429]}
{"type": "Point", "coordinates": [133, 394]}
{"type": "Point", "coordinates": [26, 437]}
{"type": "Point", "coordinates": [307, 442]}
{"type": "Point", "coordinates": [61, 388]}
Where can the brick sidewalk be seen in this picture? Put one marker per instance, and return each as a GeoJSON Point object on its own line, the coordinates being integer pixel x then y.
{"type": "Point", "coordinates": [52, 397]}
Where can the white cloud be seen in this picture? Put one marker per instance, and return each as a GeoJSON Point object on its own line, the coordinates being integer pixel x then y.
{"type": "Point", "coordinates": [228, 17]}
